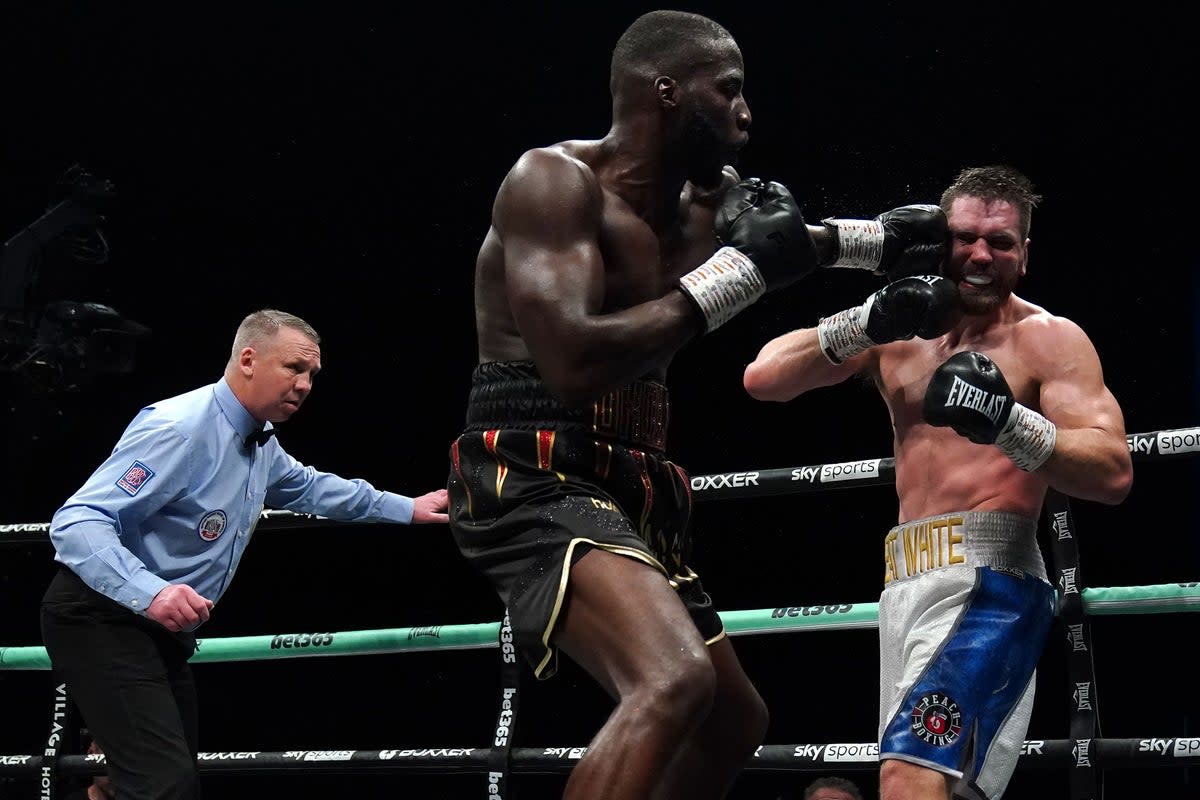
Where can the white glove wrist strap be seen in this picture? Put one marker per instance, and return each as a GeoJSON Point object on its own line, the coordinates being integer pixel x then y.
{"type": "Point", "coordinates": [860, 243]}
{"type": "Point", "coordinates": [844, 334]}
{"type": "Point", "coordinates": [722, 286]}
{"type": "Point", "coordinates": [1028, 438]}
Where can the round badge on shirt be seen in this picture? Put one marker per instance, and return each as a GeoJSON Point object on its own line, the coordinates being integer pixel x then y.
{"type": "Point", "coordinates": [212, 525]}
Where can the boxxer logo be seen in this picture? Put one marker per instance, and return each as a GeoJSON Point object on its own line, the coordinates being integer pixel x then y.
{"type": "Point", "coordinates": [968, 396]}
{"type": "Point", "coordinates": [728, 480]}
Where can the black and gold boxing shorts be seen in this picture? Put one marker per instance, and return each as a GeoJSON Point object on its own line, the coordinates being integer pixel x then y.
{"type": "Point", "coordinates": [534, 485]}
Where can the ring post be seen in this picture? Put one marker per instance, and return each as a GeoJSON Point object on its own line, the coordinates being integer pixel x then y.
{"type": "Point", "coordinates": [1086, 781]}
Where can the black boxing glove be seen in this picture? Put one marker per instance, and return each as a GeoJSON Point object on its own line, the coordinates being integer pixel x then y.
{"type": "Point", "coordinates": [909, 240]}
{"type": "Point", "coordinates": [921, 305]}
{"type": "Point", "coordinates": [969, 394]}
{"type": "Point", "coordinates": [767, 246]}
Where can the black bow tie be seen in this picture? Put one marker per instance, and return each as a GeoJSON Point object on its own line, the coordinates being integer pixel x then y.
{"type": "Point", "coordinates": [260, 437]}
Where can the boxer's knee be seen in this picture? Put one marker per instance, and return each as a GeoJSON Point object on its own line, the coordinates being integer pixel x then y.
{"type": "Point", "coordinates": [755, 719]}
{"type": "Point", "coordinates": [677, 699]}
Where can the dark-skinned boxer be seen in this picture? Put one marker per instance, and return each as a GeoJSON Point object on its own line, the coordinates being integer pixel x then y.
{"type": "Point", "coordinates": [603, 258]}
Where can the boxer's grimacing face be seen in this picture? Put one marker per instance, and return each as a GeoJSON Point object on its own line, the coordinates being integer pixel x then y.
{"type": "Point", "coordinates": [987, 254]}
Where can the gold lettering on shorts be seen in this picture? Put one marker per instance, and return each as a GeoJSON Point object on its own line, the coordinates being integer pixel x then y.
{"type": "Point", "coordinates": [636, 413]}
{"type": "Point", "coordinates": [889, 558]}
{"type": "Point", "coordinates": [913, 549]}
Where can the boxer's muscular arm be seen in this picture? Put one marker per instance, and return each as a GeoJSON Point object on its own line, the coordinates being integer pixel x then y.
{"type": "Point", "coordinates": [549, 213]}
{"type": "Point", "coordinates": [925, 306]}
{"type": "Point", "coordinates": [792, 364]}
{"type": "Point", "coordinates": [1091, 459]}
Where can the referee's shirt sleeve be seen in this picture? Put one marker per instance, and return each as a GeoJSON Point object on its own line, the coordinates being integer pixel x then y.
{"type": "Point", "coordinates": [91, 532]}
{"type": "Point", "coordinates": [301, 488]}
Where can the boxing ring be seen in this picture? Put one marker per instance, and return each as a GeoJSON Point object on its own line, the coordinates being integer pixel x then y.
{"type": "Point", "coordinates": [499, 763]}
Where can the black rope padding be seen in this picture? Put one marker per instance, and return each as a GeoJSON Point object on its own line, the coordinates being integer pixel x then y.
{"type": "Point", "coordinates": [1086, 779]}
{"type": "Point", "coordinates": [1173, 752]}
{"type": "Point", "coordinates": [1152, 446]}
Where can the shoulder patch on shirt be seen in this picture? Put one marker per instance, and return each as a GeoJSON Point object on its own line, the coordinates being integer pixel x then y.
{"type": "Point", "coordinates": [212, 525]}
{"type": "Point", "coordinates": [135, 478]}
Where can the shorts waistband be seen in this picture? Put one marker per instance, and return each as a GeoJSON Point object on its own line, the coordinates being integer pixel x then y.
{"type": "Point", "coordinates": [999, 539]}
{"type": "Point", "coordinates": [511, 394]}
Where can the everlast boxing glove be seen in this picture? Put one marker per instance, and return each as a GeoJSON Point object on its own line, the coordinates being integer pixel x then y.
{"type": "Point", "coordinates": [969, 394]}
{"type": "Point", "coordinates": [920, 305]}
{"type": "Point", "coordinates": [909, 240]}
{"type": "Point", "coordinates": [766, 246]}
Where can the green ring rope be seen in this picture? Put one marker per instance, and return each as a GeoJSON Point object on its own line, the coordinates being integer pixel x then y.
{"type": "Point", "coordinates": [1169, 598]}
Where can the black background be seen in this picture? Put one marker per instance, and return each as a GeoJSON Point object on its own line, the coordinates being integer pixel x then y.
{"type": "Point", "coordinates": [340, 162]}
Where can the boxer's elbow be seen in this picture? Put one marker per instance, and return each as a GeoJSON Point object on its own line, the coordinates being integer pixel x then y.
{"type": "Point", "coordinates": [763, 382]}
{"type": "Point", "coordinates": [1113, 484]}
{"type": "Point", "coordinates": [1118, 485]}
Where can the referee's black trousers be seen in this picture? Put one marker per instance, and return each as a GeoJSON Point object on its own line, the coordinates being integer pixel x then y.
{"type": "Point", "coordinates": [129, 677]}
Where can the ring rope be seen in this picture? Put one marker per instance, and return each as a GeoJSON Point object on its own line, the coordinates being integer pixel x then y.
{"type": "Point", "coordinates": [847, 756]}
{"type": "Point", "coordinates": [1167, 598]}
{"type": "Point", "coordinates": [1169, 444]}
{"type": "Point", "coordinates": [1085, 751]}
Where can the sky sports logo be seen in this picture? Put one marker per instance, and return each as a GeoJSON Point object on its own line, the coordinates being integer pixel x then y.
{"type": "Point", "coordinates": [1184, 440]}
{"type": "Point", "coordinates": [850, 470]}
{"type": "Point", "coordinates": [1177, 748]}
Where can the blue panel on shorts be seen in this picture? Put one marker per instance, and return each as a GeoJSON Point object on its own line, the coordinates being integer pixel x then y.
{"type": "Point", "coordinates": [982, 670]}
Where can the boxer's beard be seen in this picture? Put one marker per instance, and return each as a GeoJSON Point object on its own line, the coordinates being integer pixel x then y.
{"type": "Point", "coordinates": [989, 299]}
{"type": "Point", "coordinates": [979, 304]}
{"type": "Point", "coordinates": [705, 151]}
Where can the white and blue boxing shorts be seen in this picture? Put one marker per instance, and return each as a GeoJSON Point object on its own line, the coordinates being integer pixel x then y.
{"type": "Point", "coordinates": [963, 618]}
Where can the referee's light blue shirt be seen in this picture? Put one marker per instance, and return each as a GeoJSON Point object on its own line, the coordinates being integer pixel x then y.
{"type": "Point", "coordinates": [178, 499]}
